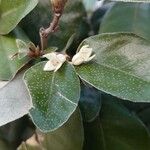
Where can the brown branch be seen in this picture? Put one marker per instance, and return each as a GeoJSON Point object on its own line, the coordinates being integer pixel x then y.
{"type": "Point", "coordinates": [58, 6]}
{"type": "Point", "coordinates": [44, 33]}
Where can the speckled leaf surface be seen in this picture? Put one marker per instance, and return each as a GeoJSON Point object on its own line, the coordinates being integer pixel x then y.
{"type": "Point", "coordinates": [121, 66]}
{"type": "Point", "coordinates": [133, 17]}
{"type": "Point", "coordinates": [11, 12]}
{"type": "Point", "coordinates": [116, 129]}
{"type": "Point", "coordinates": [14, 100]}
{"type": "Point", "coordinates": [68, 137]}
{"type": "Point", "coordinates": [54, 95]}
{"type": "Point", "coordinates": [9, 65]}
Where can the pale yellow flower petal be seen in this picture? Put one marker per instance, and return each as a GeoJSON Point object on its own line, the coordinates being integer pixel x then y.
{"type": "Point", "coordinates": [84, 55]}
{"type": "Point", "coordinates": [58, 66]}
{"type": "Point", "coordinates": [90, 58]}
{"type": "Point", "coordinates": [49, 66]}
{"type": "Point", "coordinates": [50, 55]}
{"type": "Point", "coordinates": [55, 61]}
{"type": "Point", "coordinates": [61, 57]}
{"type": "Point", "coordinates": [78, 61]}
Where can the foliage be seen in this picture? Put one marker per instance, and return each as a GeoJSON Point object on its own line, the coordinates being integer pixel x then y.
{"type": "Point", "coordinates": [12, 12]}
{"type": "Point", "coordinates": [99, 102]}
{"type": "Point", "coordinates": [137, 15]}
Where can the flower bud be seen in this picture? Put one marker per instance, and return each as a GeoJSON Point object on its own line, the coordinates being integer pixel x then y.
{"type": "Point", "coordinates": [58, 5]}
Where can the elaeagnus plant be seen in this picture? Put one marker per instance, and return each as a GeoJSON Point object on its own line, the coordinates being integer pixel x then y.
{"type": "Point", "coordinates": [64, 86]}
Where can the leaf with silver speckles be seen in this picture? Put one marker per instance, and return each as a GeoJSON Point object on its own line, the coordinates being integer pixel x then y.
{"type": "Point", "coordinates": [68, 137]}
{"type": "Point", "coordinates": [121, 66]}
{"type": "Point", "coordinates": [55, 95]}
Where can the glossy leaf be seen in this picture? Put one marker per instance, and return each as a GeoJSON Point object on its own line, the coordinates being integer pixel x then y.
{"type": "Point", "coordinates": [121, 66]}
{"type": "Point", "coordinates": [133, 17]}
{"type": "Point", "coordinates": [55, 95]}
{"type": "Point", "coordinates": [12, 12]}
{"type": "Point", "coordinates": [116, 129]}
{"type": "Point", "coordinates": [10, 63]}
{"type": "Point", "coordinates": [68, 137]}
{"type": "Point", "coordinates": [90, 102]}
{"type": "Point", "coordinates": [14, 100]}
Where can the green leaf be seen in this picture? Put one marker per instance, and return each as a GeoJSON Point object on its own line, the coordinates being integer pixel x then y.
{"type": "Point", "coordinates": [69, 42]}
{"type": "Point", "coordinates": [116, 129]}
{"type": "Point", "coordinates": [55, 95]}
{"type": "Point", "coordinates": [90, 102]}
{"type": "Point", "coordinates": [22, 48]}
{"type": "Point", "coordinates": [121, 66]}
{"type": "Point", "coordinates": [14, 100]}
{"type": "Point", "coordinates": [68, 137]}
{"type": "Point", "coordinates": [10, 63]}
{"type": "Point", "coordinates": [133, 17]}
{"type": "Point", "coordinates": [12, 12]}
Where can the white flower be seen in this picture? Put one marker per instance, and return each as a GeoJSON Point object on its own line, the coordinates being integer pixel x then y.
{"type": "Point", "coordinates": [83, 56]}
{"type": "Point", "coordinates": [55, 61]}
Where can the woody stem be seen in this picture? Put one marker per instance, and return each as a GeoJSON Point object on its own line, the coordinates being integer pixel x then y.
{"type": "Point", "coordinates": [44, 33]}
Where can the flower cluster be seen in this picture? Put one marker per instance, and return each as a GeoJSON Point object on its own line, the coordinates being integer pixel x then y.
{"type": "Point", "coordinates": [56, 60]}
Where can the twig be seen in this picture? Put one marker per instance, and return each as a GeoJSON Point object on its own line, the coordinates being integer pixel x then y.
{"type": "Point", "coordinates": [44, 33]}
{"type": "Point", "coordinates": [58, 7]}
